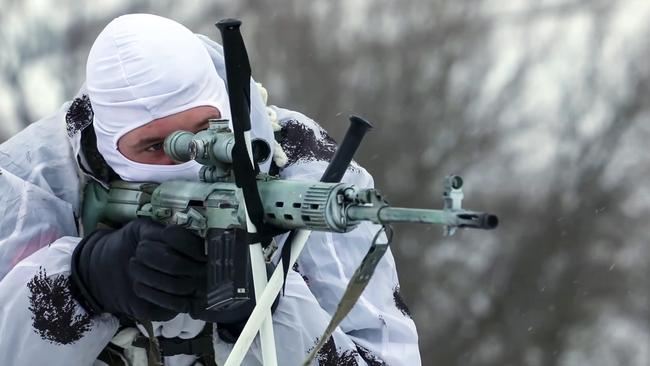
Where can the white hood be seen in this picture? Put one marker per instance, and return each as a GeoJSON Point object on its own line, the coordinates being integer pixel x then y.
{"type": "Point", "coordinates": [143, 67]}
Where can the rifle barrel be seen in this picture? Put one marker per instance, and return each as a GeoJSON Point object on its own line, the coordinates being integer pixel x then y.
{"type": "Point", "coordinates": [460, 218]}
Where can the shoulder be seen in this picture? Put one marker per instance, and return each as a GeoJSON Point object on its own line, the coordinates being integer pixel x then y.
{"type": "Point", "coordinates": [302, 139]}
{"type": "Point", "coordinates": [41, 154]}
{"type": "Point", "coordinates": [309, 149]}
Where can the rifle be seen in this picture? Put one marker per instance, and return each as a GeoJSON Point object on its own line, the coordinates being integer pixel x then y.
{"type": "Point", "coordinates": [232, 194]}
{"type": "Point", "coordinates": [214, 202]}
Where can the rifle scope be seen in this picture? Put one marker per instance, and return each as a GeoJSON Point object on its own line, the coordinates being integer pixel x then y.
{"type": "Point", "coordinates": [210, 147]}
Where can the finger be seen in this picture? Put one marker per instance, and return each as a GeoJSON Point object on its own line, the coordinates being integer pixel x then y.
{"type": "Point", "coordinates": [185, 242]}
{"type": "Point", "coordinates": [183, 285]}
{"type": "Point", "coordinates": [176, 303]}
{"type": "Point", "coordinates": [159, 257]}
{"type": "Point", "coordinates": [144, 228]}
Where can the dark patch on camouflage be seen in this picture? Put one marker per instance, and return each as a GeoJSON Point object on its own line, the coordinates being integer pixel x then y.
{"type": "Point", "coordinates": [399, 302]}
{"type": "Point", "coordinates": [370, 358]}
{"type": "Point", "coordinates": [329, 355]}
{"type": "Point", "coordinates": [300, 143]}
{"type": "Point", "coordinates": [54, 311]}
{"type": "Point", "coordinates": [79, 116]}
{"type": "Point", "coordinates": [296, 268]}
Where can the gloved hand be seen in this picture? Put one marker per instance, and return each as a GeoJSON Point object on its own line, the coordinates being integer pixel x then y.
{"type": "Point", "coordinates": [145, 271]}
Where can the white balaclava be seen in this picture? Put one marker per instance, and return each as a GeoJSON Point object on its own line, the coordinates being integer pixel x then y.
{"type": "Point", "coordinates": [143, 67]}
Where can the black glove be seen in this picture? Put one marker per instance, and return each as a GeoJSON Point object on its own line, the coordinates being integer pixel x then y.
{"type": "Point", "coordinates": [173, 274]}
{"type": "Point", "coordinates": [101, 272]}
{"type": "Point", "coordinates": [143, 270]}
{"type": "Point", "coordinates": [148, 272]}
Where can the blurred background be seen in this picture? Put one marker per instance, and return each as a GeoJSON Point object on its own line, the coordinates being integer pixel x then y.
{"type": "Point", "coordinates": [542, 106]}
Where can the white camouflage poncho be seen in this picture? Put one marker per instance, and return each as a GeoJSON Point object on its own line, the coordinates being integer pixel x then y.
{"type": "Point", "coordinates": [41, 324]}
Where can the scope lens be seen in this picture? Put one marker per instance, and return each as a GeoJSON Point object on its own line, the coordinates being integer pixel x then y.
{"type": "Point", "coordinates": [261, 150]}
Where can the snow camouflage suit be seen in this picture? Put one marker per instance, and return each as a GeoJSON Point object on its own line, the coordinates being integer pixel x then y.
{"type": "Point", "coordinates": [42, 172]}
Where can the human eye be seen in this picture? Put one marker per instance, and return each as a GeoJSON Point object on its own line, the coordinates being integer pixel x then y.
{"type": "Point", "coordinates": [155, 147]}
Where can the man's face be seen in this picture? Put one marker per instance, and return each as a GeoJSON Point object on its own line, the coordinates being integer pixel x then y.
{"type": "Point", "coordinates": [145, 144]}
